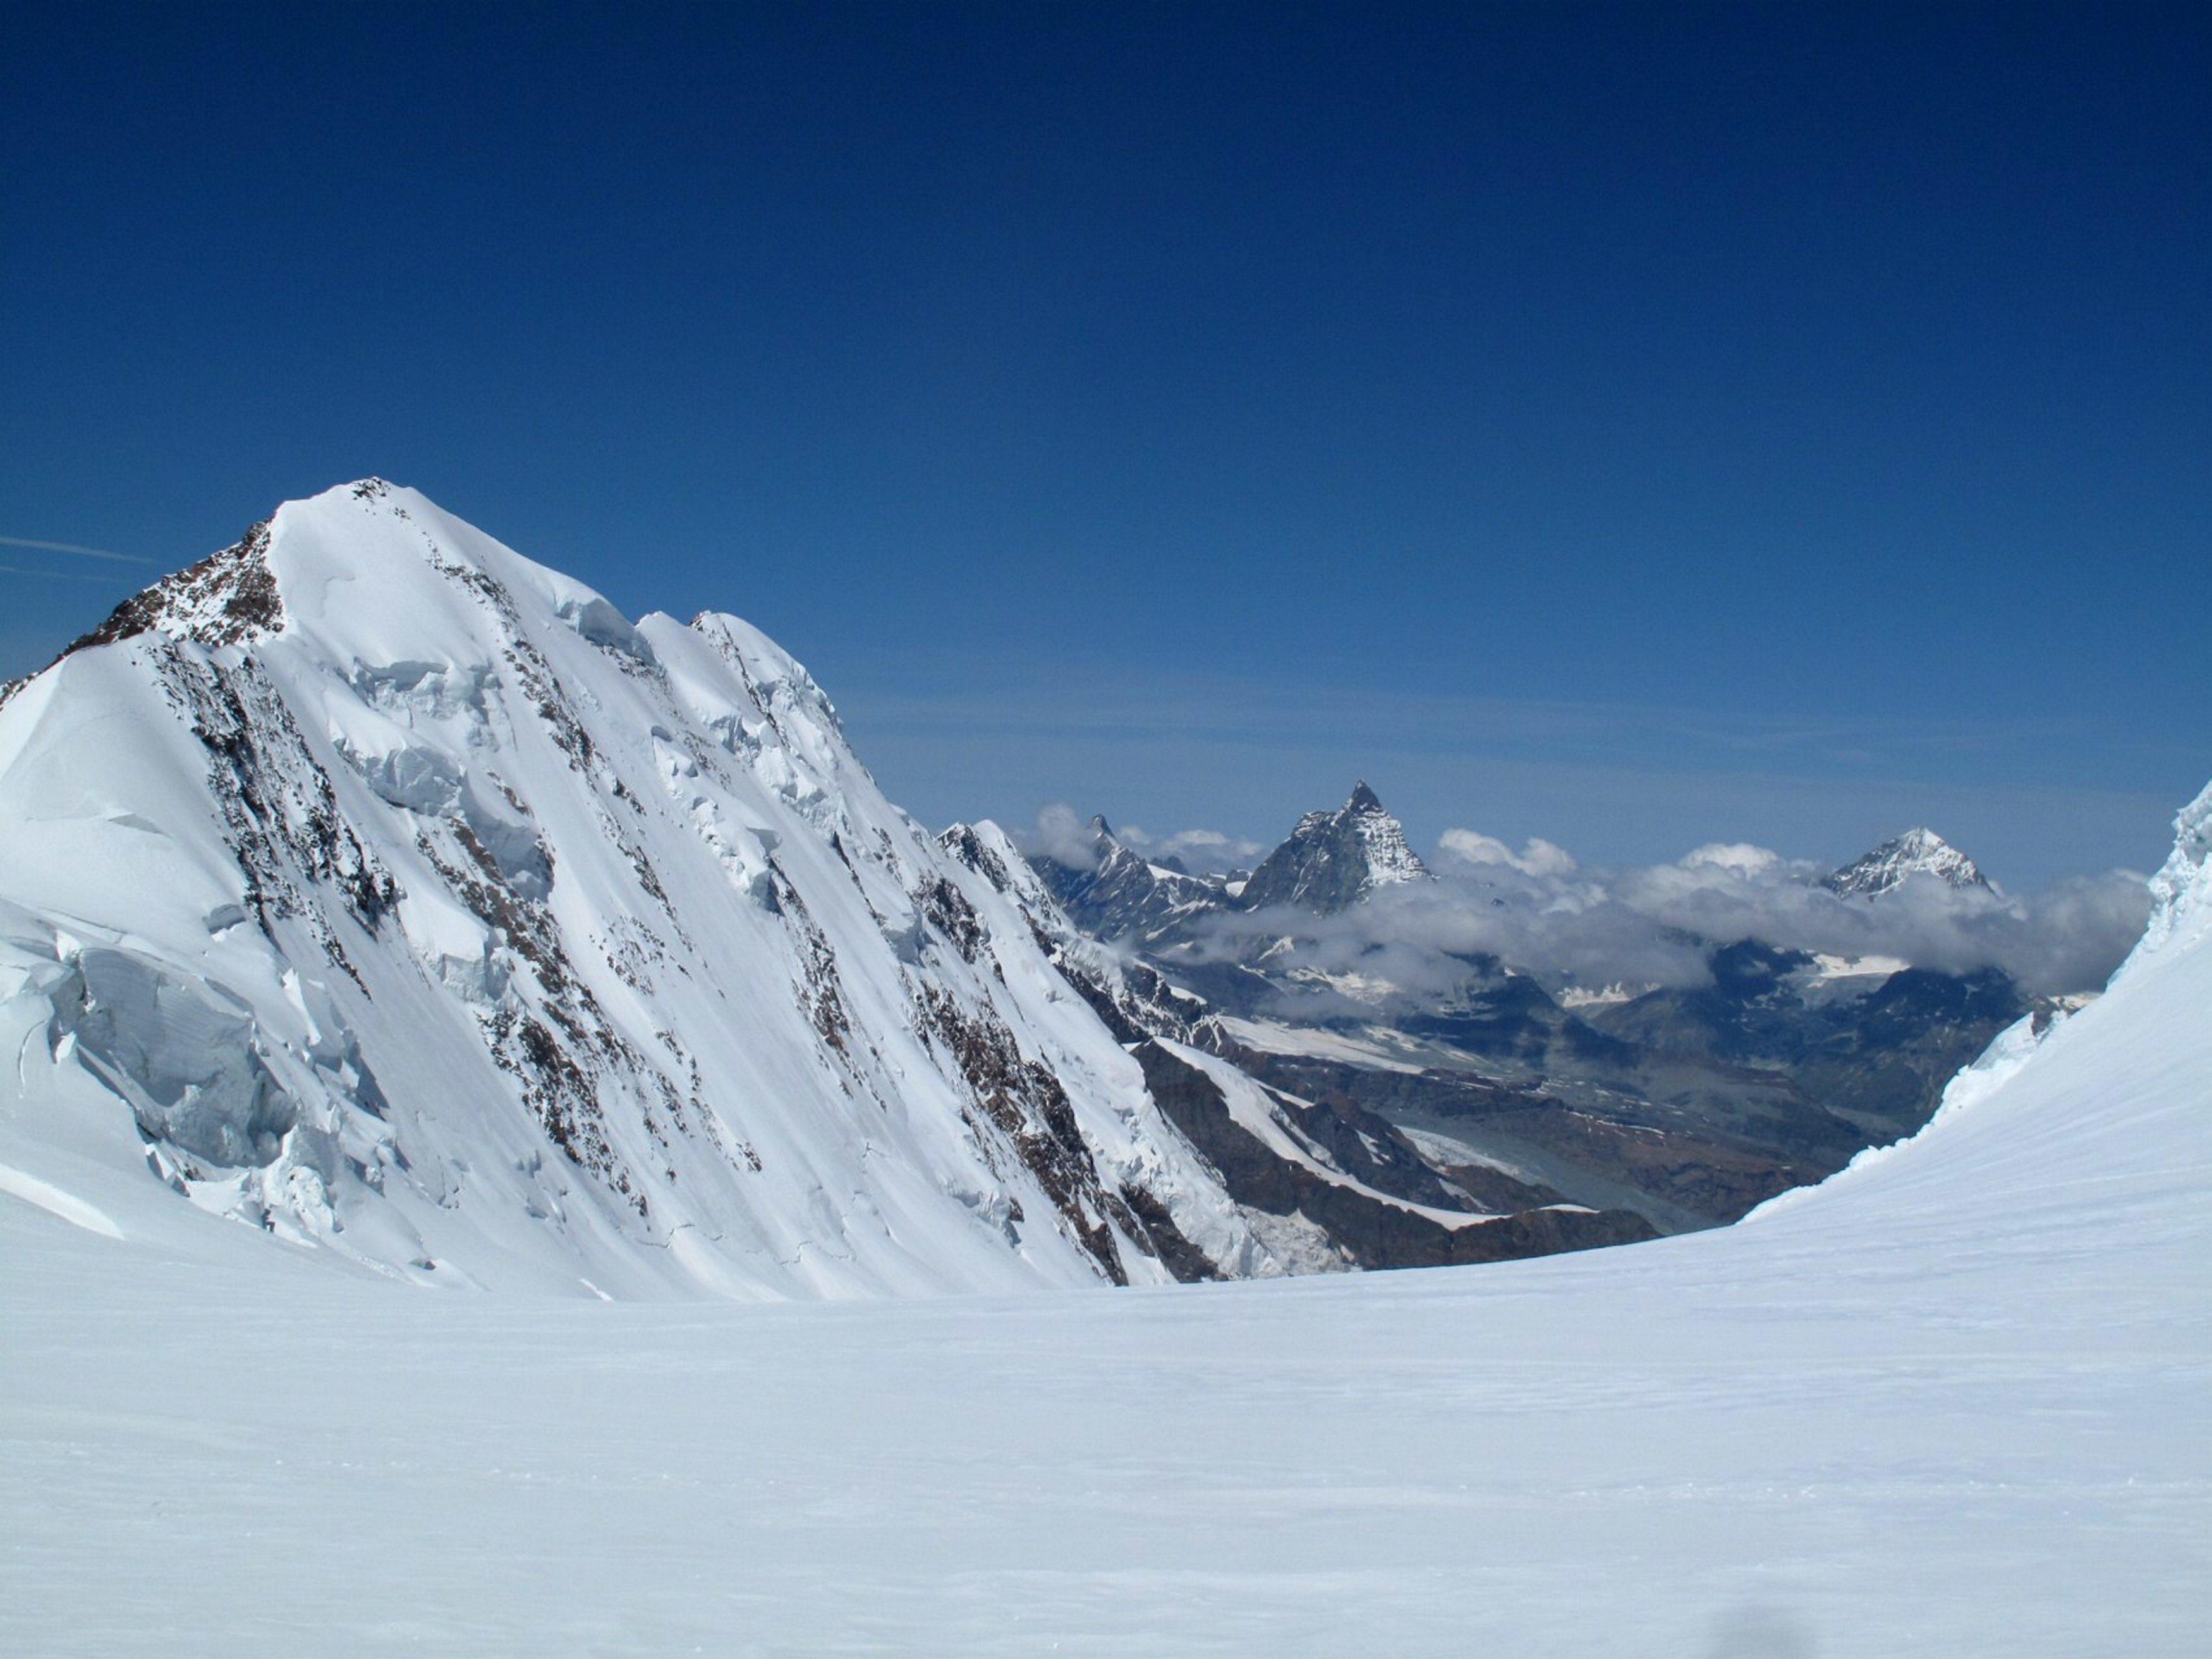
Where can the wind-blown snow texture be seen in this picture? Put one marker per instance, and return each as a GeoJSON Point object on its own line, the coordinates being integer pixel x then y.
{"type": "Point", "coordinates": [1952, 1403]}
{"type": "Point", "coordinates": [376, 885]}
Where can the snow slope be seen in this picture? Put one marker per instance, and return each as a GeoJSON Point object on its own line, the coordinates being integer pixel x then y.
{"type": "Point", "coordinates": [1958, 1401]}
{"type": "Point", "coordinates": [371, 884]}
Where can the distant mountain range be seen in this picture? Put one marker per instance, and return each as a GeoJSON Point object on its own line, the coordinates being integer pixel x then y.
{"type": "Point", "coordinates": [1686, 1106]}
{"type": "Point", "coordinates": [1329, 862]}
{"type": "Point", "coordinates": [378, 889]}
{"type": "Point", "coordinates": [371, 885]}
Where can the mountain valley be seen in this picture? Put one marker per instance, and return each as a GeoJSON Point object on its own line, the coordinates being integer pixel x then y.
{"type": "Point", "coordinates": [1686, 1104]}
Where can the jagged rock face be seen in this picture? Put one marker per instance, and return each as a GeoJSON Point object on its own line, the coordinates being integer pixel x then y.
{"type": "Point", "coordinates": [1914, 853]}
{"type": "Point", "coordinates": [372, 884]}
{"type": "Point", "coordinates": [1334, 860]}
{"type": "Point", "coordinates": [1124, 896]}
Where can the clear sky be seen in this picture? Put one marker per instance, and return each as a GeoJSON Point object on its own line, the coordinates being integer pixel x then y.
{"type": "Point", "coordinates": [1634, 426]}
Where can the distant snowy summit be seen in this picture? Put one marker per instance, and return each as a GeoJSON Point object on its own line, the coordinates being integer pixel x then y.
{"type": "Point", "coordinates": [1700, 1095]}
{"type": "Point", "coordinates": [1335, 859]}
{"type": "Point", "coordinates": [1888, 866]}
{"type": "Point", "coordinates": [1125, 895]}
{"type": "Point", "coordinates": [1330, 861]}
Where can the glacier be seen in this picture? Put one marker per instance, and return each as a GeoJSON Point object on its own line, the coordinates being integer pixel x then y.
{"type": "Point", "coordinates": [378, 888]}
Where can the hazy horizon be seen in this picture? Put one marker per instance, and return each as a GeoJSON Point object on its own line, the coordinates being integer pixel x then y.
{"type": "Point", "coordinates": [1631, 426]}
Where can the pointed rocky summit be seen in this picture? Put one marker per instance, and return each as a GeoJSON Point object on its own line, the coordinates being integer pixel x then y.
{"type": "Point", "coordinates": [1914, 853]}
{"type": "Point", "coordinates": [1334, 860]}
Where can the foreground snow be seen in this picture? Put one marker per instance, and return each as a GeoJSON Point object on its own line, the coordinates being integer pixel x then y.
{"type": "Point", "coordinates": [1953, 1402]}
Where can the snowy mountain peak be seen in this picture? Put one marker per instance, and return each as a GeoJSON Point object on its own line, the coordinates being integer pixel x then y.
{"type": "Point", "coordinates": [374, 884]}
{"type": "Point", "coordinates": [1916, 853]}
{"type": "Point", "coordinates": [1332, 860]}
{"type": "Point", "coordinates": [1123, 895]}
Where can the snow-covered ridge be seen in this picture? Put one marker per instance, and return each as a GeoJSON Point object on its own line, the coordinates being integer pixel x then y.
{"type": "Point", "coordinates": [2181, 891]}
{"type": "Point", "coordinates": [374, 884]}
{"type": "Point", "coordinates": [1916, 853]}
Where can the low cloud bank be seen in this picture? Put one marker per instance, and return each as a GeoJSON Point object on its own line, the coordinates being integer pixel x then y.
{"type": "Point", "coordinates": [1064, 836]}
{"type": "Point", "coordinates": [1539, 910]}
{"type": "Point", "coordinates": [1199, 850]}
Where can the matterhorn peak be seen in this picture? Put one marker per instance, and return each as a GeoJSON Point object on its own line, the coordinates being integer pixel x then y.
{"type": "Point", "coordinates": [1335, 859]}
{"type": "Point", "coordinates": [1917, 852]}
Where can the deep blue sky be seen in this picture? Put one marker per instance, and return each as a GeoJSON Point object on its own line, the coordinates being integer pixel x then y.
{"type": "Point", "coordinates": [1633, 427]}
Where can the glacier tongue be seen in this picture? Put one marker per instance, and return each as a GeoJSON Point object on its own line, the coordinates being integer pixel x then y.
{"type": "Point", "coordinates": [399, 895]}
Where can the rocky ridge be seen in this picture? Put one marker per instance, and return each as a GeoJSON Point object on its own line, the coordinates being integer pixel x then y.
{"type": "Point", "coordinates": [1889, 866]}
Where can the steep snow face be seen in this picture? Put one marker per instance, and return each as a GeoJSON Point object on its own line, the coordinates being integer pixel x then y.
{"type": "Point", "coordinates": [2181, 892]}
{"type": "Point", "coordinates": [1334, 860]}
{"type": "Point", "coordinates": [1914, 853]}
{"type": "Point", "coordinates": [376, 885]}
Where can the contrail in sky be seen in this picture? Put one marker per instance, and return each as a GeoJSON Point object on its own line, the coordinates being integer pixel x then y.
{"type": "Point", "coordinates": [58, 576]}
{"type": "Point", "coordinates": [71, 547]}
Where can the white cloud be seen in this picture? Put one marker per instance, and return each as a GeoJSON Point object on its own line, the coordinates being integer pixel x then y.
{"type": "Point", "coordinates": [1537, 856]}
{"type": "Point", "coordinates": [1738, 857]}
{"type": "Point", "coordinates": [1644, 925]}
{"type": "Point", "coordinates": [1062, 835]}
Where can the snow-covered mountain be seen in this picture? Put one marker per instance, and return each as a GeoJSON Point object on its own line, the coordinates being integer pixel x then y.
{"type": "Point", "coordinates": [1332, 860]}
{"type": "Point", "coordinates": [372, 884]}
{"type": "Point", "coordinates": [1951, 1403]}
{"type": "Point", "coordinates": [1123, 895]}
{"type": "Point", "coordinates": [419, 904]}
{"type": "Point", "coordinates": [1916, 853]}
{"type": "Point", "coordinates": [1689, 1103]}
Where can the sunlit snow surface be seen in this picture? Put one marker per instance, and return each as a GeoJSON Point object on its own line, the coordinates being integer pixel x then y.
{"type": "Point", "coordinates": [391, 891]}
{"type": "Point", "coordinates": [1958, 1402]}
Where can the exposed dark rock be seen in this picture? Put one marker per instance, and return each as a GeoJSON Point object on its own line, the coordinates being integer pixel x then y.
{"type": "Point", "coordinates": [228, 598]}
{"type": "Point", "coordinates": [1374, 1232]}
{"type": "Point", "coordinates": [1027, 1104]}
{"type": "Point", "coordinates": [1334, 860]}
